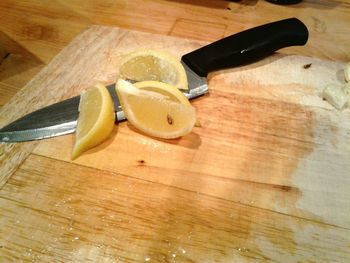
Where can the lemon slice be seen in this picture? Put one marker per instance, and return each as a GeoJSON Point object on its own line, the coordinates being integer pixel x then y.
{"type": "Point", "coordinates": [170, 91]}
{"type": "Point", "coordinates": [165, 89]}
{"type": "Point", "coordinates": [153, 113]}
{"type": "Point", "coordinates": [96, 119]}
{"type": "Point", "coordinates": [153, 65]}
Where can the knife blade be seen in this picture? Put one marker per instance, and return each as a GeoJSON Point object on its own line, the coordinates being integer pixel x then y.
{"type": "Point", "coordinates": [235, 50]}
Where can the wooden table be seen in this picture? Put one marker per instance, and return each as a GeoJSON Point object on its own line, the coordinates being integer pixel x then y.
{"type": "Point", "coordinates": [38, 31]}
{"type": "Point", "coordinates": [172, 203]}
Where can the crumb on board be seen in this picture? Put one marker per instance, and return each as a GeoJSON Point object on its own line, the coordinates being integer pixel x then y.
{"type": "Point", "coordinates": [336, 96]}
{"type": "Point", "coordinates": [347, 72]}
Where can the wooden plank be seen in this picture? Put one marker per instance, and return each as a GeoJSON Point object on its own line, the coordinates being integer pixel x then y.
{"type": "Point", "coordinates": [43, 33]}
{"type": "Point", "coordinates": [7, 93]}
{"type": "Point", "coordinates": [75, 213]}
{"type": "Point", "coordinates": [51, 26]}
{"type": "Point", "coordinates": [198, 30]}
{"type": "Point", "coordinates": [3, 52]}
{"type": "Point", "coordinates": [12, 47]}
{"type": "Point", "coordinates": [15, 71]}
{"type": "Point", "coordinates": [17, 67]}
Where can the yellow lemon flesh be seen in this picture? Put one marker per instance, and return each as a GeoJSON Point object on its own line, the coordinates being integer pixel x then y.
{"type": "Point", "coordinates": [96, 119]}
{"type": "Point", "coordinates": [165, 89]}
{"type": "Point", "coordinates": [153, 65]}
{"type": "Point", "coordinates": [153, 113]}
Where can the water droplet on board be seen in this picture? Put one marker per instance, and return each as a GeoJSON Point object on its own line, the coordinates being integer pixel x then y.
{"type": "Point", "coordinates": [147, 258]}
{"type": "Point", "coordinates": [243, 249]}
{"type": "Point", "coordinates": [182, 250]}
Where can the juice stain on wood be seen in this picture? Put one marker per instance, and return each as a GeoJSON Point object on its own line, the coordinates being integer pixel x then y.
{"type": "Point", "coordinates": [270, 138]}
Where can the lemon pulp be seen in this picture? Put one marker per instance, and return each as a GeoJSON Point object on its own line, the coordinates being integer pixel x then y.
{"type": "Point", "coordinates": [96, 119]}
{"type": "Point", "coordinates": [153, 113]}
{"type": "Point", "coordinates": [165, 89]}
{"type": "Point", "coordinates": [143, 65]}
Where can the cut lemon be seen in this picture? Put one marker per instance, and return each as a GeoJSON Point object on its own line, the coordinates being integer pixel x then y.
{"type": "Point", "coordinates": [153, 65]}
{"type": "Point", "coordinates": [96, 119]}
{"type": "Point", "coordinates": [154, 113]}
{"type": "Point", "coordinates": [165, 89]}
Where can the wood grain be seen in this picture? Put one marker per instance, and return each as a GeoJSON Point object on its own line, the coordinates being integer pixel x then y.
{"type": "Point", "coordinates": [39, 30]}
{"type": "Point", "coordinates": [3, 52]}
{"type": "Point", "coordinates": [269, 184]}
{"type": "Point", "coordinates": [16, 70]}
{"type": "Point", "coordinates": [266, 173]}
{"type": "Point", "coordinates": [83, 214]}
{"type": "Point", "coordinates": [51, 26]}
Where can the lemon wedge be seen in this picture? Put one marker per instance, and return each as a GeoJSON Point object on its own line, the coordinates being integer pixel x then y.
{"type": "Point", "coordinates": [156, 65]}
{"type": "Point", "coordinates": [167, 90]}
{"type": "Point", "coordinates": [96, 119]}
{"type": "Point", "coordinates": [153, 113]}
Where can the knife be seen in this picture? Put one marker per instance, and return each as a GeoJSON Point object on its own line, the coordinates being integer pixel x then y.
{"type": "Point", "coordinates": [238, 49]}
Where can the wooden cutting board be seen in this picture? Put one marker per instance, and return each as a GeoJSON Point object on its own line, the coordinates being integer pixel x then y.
{"type": "Point", "coordinates": [265, 177]}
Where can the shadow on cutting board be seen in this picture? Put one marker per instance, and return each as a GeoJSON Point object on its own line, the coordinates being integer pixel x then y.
{"type": "Point", "coordinates": [191, 140]}
{"type": "Point", "coordinates": [17, 59]}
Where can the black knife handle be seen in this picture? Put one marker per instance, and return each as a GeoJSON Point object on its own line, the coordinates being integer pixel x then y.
{"type": "Point", "coordinates": [247, 46]}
